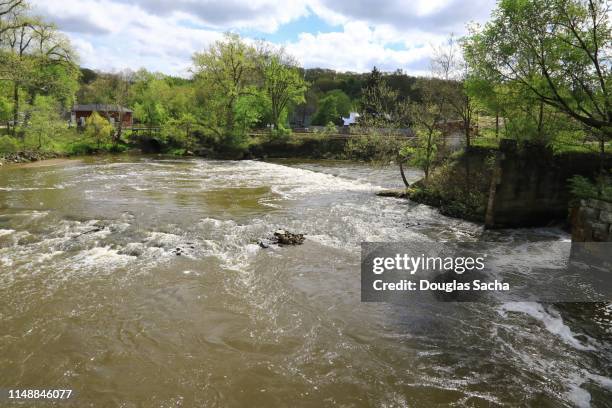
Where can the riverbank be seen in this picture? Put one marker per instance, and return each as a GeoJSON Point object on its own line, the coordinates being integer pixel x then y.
{"type": "Point", "coordinates": [28, 156]}
{"type": "Point", "coordinates": [449, 207]}
{"type": "Point", "coordinates": [507, 187]}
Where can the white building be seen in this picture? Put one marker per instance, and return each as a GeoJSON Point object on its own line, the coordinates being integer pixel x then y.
{"type": "Point", "coordinates": [351, 120]}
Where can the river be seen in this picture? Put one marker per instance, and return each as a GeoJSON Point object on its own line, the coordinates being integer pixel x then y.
{"type": "Point", "coordinates": [94, 298]}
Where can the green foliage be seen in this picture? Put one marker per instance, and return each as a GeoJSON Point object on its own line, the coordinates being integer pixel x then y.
{"type": "Point", "coordinates": [6, 109]}
{"type": "Point", "coordinates": [283, 84]}
{"type": "Point", "coordinates": [150, 112]}
{"type": "Point", "coordinates": [422, 153]}
{"type": "Point", "coordinates": [447, 189]}
{"type": "Point", "coordinates": [225, 72]}
{"type": "Point", "coordinates": [180, 132]}
{"type": "Point", "coordinates": [332, 107]}
{"type": "Point", "coordinates": [380, 105]}
{"type": "Point", "coordinates": [44, 123]}
{"type": "Point", "coordinates": [582, 187]}
{"type": "Point", "coordinates": [327, 112]}
{"type": "Point", "coordinates": [98, 129]}
{"type": "Point", "coordinates": [486, 139]}
{"type": "Point", "coordinates": [248, 111]}
{"type": "Point", "coordinates": [373, 147]}
{"type": "Point", "coordinates": [553, 53]}
{"type": "Point", "coordinates": [8, 144]}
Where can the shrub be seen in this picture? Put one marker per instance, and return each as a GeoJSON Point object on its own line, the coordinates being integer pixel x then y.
{"type": "Point", "coordinates": [8, 144]}
{"type": "Point", "coordinates": [80, 148]}
{"type": "Point", "coordinates": [44, 124]}
{"type": "Point", "coordinates": [98, 129]}
{"type": "Point", "coordinates": [373, 147]}
{"type": "Point", "coordinates": [582, 187]}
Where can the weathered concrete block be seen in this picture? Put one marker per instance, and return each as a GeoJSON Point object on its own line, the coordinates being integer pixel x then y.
{"type": "Point", "coordinates": [578, 234]}
{"type": "Point", "coordinates": [600, 231]}
{"type": "Point", "coordinates": [599, 204]}
{"type": "Point", "coordinates": [588, 213]}
{"type": "Point", "coordinates": [605, 216]}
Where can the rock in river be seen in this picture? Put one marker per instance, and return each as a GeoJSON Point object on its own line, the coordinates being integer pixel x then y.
{"type": "Point", "coordinates": [287, 238]}
{"type": "Point", "coordinates": [281, 238]}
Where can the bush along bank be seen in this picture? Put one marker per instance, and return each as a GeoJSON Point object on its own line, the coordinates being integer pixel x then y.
{"type": "Point", "coordinates": [459, 186]}
{"type": "Point", "coordinates": [509, 187]}
{"type": "Point", "coordinates": [308, 147]}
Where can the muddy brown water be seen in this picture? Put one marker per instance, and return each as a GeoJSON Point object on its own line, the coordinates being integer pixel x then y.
{"type": "Point", "coordinates": [94, 298]}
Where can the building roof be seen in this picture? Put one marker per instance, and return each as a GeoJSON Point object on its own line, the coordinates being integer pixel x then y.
{"type": "Point", "coordinates": [99, 108]}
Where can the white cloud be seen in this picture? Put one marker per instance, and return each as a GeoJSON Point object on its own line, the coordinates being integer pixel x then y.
{"type": "Point", "coordinates": [162, 34]}
{"type": "Point", "coordinates": [357, 48]}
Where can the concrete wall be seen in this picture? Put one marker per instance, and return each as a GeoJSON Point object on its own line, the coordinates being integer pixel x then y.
{"type": "Point", "coordinates": [529, 186]}
{"type": "Point", "coordinates": [591, 221]}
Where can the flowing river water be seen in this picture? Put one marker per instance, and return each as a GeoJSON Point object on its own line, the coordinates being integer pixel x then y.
{"type": "Point", "coordinates": [94, 298]}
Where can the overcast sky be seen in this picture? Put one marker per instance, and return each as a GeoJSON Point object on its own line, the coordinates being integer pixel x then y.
{"type": "Point", "coordinates": [346, 35]}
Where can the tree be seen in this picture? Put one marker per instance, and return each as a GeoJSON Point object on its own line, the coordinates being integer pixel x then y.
{"type": "Point", "coordinates": [381, 110]}
{"type": "Point", "coordinates": [327, 112]}
{"type": "Point", "coordinates": [380, 105]}
{"type": "Point", "coordinates": [5, 111]}
{"type": "Point", "coordinates": [150, 112]}
{"type": "Point", "coordinates": [283, 83]}
{"type": "Point", "coordinates": [8, 10]}
{"type": "Point", "coordinates": [332, 107]}
{"type": "Point", "coordinates": [425, 116]}
{"type": "Point", "coordinates": [180, 131]}
{"type": "Point", "coordinates": [44, 123]}
{"type": "Point", "coordinates": [448, 65]}
{"type": "Point", "coordinates": [558, 50]}
{"type": "Point", "coordinates": [36, 59]}
{"type": "Point", "coordinates": [226, 71]}
{"type": "Point", "coordinates": [98, 128]}
{"type": "Point", "coordinates": [487, 97]}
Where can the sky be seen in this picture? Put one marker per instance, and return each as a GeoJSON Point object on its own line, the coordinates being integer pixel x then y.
{"type": "Point", "coordinates": [345, 35]}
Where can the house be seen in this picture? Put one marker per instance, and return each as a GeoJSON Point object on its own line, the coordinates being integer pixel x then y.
{"type": "Point", "coordinates": [113, 113]}
{"type": "Point", "coordinates": [351, 120]}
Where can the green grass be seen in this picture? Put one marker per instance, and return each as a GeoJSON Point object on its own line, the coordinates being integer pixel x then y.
{"type": "Point", "coordinates": [486, 139]}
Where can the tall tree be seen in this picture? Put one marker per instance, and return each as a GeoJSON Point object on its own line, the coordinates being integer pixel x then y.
{"type": "Point", "coordinates": [558, 50]}
{"type": "Point", "coordinates": [283, 83]}
{"type": "Point", "coordinates": [9, 9]}
{"type": "Point", "coordinates": [425, 117]}
{"type": "Point", "coordinates": [226, 71]}
{"type": "Point", "coordinates": [332, 107]}
{"type": "Point", "coordinates": [37, 59]}
{"type": "Point", "coordinates": [380, 105]}
{"type": "Point", "coordinates": [448, 64]}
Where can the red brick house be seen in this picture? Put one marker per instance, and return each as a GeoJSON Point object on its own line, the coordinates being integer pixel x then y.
{"type": "Point", "coordinates": [113, 113]}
